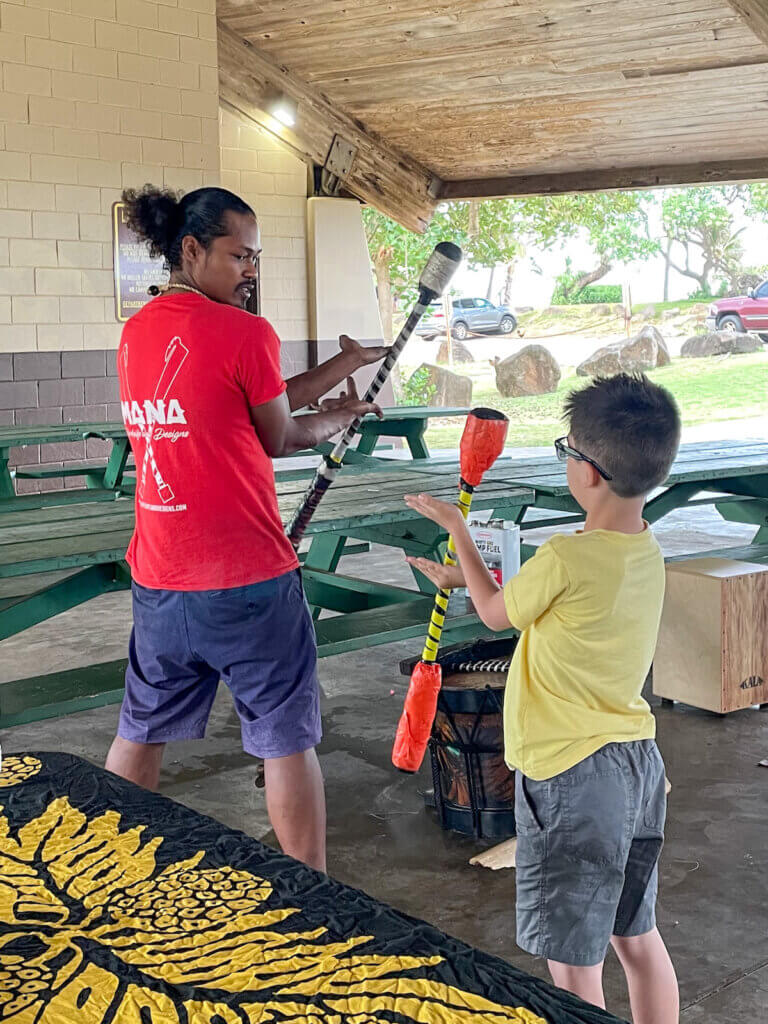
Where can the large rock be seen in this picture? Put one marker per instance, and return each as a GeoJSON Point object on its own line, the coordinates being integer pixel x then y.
{"type": "Point", "coordinates": [531, 371]}
{"type": "Point", "coordinates": [461, 353]}
{"type": "Point", "coordinates": [670, 314]}
{"type": "Point", "coordinates": [643, 351]}
{"type": "Point", "coordinates": [720, 343]}
{"type": "Point", "coordinates": [653, 334]}
{"type": "Point", "coordinates": [602, 310]}
{"type": "Point", "coordinates": [648, 313]}
{"type": "Point", "coordinates": [450, 388]}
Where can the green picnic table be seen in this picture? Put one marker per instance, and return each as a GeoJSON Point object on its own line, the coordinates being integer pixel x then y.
{"type": "Point", "coordinates": [54, 557]}
{"type": "Point", "coordinates": [409, 422]}
{"type": "Point", "coordinates": [731, 475]}
{"type": "Point", "coordinates": [103, 479]}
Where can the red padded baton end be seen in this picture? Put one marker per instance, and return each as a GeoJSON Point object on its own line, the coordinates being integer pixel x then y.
{"type": "Point", "coordinates": [415, 725]}
{"type": "Point", "coordinates": [481, 443]}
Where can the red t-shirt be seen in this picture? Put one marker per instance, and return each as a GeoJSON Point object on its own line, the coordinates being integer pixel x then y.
{"type": "Point", "coordinates": [206, 507]}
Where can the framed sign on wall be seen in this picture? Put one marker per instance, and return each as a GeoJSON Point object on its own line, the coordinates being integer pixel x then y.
{"type": "Point", "coordinates": [135, 269]}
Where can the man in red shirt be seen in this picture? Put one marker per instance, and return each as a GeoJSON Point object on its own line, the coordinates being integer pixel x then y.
{"type": "Point", "coordinates": [216, 589]}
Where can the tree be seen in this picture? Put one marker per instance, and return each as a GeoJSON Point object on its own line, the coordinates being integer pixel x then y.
{"type": "Point", "coordinates": [495, 233]}
{"type": "Point", "coordinates": [615, 224]}
{"type": "Point", "coordinates": [398, 255]}
{"type": "Point", "coordinates": [499, 231]}
{"type": "Point", "coordinates": [703, 220]}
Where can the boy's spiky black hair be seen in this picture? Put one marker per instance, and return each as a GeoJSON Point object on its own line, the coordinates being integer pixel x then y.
{"type": "Point", "coordinates": [629, 426]}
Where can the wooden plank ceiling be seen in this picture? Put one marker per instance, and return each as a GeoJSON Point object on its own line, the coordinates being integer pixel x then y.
{"type": "Point", "coordinates": [494, 97]}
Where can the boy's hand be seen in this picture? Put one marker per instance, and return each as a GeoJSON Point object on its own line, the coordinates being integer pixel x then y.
{"type": "Point", "coordinates": [441, 512]}
{"type": "Point", "coordinates": [445, 577]}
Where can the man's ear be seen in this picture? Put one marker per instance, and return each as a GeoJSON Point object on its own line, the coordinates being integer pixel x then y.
{"type": "Point", "coordinates": [191, 248]}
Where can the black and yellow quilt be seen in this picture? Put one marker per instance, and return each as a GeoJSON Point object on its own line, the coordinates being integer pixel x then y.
{"type": "Point", "coordinates": [120, 906]}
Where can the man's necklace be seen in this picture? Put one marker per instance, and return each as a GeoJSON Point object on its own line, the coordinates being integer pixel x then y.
{"type": "Point", "coordinates": [162, 289]}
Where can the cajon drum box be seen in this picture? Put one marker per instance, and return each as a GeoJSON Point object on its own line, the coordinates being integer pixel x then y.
{"type": "Point", "coordinates": [713, 642]}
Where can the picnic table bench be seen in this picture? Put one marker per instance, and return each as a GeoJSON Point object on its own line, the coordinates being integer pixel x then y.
{"type": "Point", "coordinates": [408, 422]}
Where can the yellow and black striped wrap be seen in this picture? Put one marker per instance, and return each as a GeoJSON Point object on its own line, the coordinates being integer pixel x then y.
{"type": "Point", "coordinates": [437, 619]}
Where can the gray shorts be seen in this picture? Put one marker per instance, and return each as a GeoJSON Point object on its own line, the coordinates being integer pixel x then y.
{"type": "Point", "coordinates": [588, 848]}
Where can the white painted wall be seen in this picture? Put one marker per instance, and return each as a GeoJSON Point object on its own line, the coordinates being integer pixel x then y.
{"type": "Point", "coordinates": [342, 296]}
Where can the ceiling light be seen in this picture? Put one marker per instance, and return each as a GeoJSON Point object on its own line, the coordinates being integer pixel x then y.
{"type": "Point", "coordinates": [284, 110]}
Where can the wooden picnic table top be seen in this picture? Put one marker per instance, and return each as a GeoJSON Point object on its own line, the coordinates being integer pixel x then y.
{"type": "Point", "coordinates": [706, 461]}
{"type": "Point", "coordinates": [78, 534]}
{"type": "Point", "coordinates": [14, 437]}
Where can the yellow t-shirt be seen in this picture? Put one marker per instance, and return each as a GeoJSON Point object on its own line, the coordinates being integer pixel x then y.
{"type": "Point", "coordinates": [588, 606]}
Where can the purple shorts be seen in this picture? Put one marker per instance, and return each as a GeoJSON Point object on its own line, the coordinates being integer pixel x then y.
{"type": "Point", "coordinates": [259, 639]}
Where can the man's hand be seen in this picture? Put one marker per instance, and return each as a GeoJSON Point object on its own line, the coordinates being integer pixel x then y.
{"type": "Point", "coordinates": [349, 400]}
{"type": "Point", "coordinates": [361, 355]}
{"type": "Point", "coordinates": [445, 577]}
{"type": "Point", "coordinates": [328, 404]}
{"type": "Point", "coordinates": [356, 409]}
{"type": "Point", "coordinates": [440, 512]}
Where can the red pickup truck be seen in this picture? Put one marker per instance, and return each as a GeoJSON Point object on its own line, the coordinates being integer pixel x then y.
{"type": "Point", "coordinates": [744, 313]}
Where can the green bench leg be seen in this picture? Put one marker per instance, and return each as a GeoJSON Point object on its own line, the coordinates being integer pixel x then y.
{"type": "Point", "coordinates": [324, 553]}
{"type": "Point", "coordinates": [368, 441]}
{"type": "Point", "coordinates": [412, 430]}
{"type": "Point", "coordinates": [118, 457]}
{"type": "Point", "coordinates": [673, 498]}
{"type": "Point", "coordinates": [7, 489]}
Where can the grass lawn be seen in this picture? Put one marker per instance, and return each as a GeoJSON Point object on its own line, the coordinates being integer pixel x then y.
{"type": "Point", "coordinates": [587, 319]}
{"type": "Point", "coordinates": [707, 390]}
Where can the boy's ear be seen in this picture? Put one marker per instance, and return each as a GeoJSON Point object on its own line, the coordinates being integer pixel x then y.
{"type": "Point", "coordinates": [591, 477]}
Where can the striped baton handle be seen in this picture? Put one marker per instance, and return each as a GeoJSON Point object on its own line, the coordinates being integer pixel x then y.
{"type": "Point", "coordinates": [440, 607]}
{"type": "Point", "coordinates": [378, 381]}
{"type": "Point", "coordinates": [436, 275]}
{"type": "Point", "coordinates": [331, 464]}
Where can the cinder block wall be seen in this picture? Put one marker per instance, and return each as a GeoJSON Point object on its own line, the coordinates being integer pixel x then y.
{"type": "Point", "coordinates": [98, 95]}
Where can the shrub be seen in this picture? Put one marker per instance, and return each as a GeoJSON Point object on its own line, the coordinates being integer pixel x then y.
{"type": "Point", "coordinates": [418, 389]}
{"type": "Point", "coordinates": [701, 296]}
{"type": "Point", "coordinates": [592, 294]}
{"type": "Point", "coordinates": [564, 295]}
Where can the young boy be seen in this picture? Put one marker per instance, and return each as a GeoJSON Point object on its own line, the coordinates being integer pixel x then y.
{"type": "Point", "coordinates": [590, 800]}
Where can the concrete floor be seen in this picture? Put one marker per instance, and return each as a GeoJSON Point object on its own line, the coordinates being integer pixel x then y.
{"type": "Point", "coordinates": [714, 889]}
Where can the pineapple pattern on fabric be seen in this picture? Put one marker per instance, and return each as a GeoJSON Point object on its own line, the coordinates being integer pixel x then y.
{"type": "Point", "coordinates": [93, 931]}
{"type": "Point", "coordinates": [15, 770]}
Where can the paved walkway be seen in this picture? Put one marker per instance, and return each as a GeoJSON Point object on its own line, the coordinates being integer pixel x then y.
{"type": "Point", "coordinates": [714, 887]}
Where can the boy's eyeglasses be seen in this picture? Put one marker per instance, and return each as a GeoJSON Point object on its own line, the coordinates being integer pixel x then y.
{"type": "Point", "coordinates": [564, 452]}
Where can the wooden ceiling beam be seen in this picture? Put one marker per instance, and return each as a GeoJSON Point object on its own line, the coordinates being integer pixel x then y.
{"type": "Point", "coordinates": [754, 14]}
{"type": "Point", "coordinates": [389, 180]}
{"type": "Point", "coordinates": [705, 173]}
